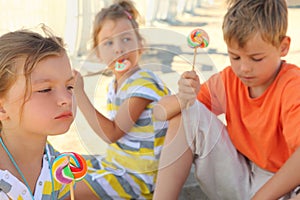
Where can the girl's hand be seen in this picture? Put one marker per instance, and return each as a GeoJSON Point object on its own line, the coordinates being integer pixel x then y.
{"type": "Point", "coordinates": [79, 84]}
{"type": "Point", "coordinates": [188, 88]}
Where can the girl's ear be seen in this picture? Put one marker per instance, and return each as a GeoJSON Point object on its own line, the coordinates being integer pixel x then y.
{"type": "Point", "coordinates": [141, 51]}
{"type": "Point", "coordinates": [141, 47]}
{"type": "Point", "coordinates": [97, 54]}
{"type": "Point", "coordinates": [3, 114]}
{"type": "Point", "coordinates": [285, 46]}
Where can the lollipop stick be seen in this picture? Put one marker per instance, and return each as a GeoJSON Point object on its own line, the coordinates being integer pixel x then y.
{"type": "Point", "coordinates": [193, 69]}
{"type": "Point", "coordinates": [195, 53]}
{"type": "Point", "coordinates": [72, 190]}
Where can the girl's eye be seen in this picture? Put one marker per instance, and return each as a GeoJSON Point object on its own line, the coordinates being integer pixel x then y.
{"type": "Point", "coordinates": [126, 39]}
{"type": "Point", "coordinates": [70, 87]}
{"type": "Point", "coordinates": [45, 90]}
{"type": "Point", "coordinates": [108, 43]}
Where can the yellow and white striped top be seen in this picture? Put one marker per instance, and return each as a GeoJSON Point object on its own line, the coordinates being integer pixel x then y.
{"type": "Point", "coordinates": [129, 168]}
{"type": "Point", "coordinates": [12, 188]}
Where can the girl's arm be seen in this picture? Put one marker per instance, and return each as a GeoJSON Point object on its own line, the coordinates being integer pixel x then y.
{"type": "Point", "coordinates": [175, 162]}
{"type": "Point", "coordinates": [110, 131]}
{"type": "Point", "coordinates": [284, 181]}
{"type": "Point", "coordinates": [166, 108]}
{"type": "Point", "coordinates": [82, 191]}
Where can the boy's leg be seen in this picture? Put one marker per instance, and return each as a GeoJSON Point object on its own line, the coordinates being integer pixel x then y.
{"type": "Point", "coordinates": [222, 172]}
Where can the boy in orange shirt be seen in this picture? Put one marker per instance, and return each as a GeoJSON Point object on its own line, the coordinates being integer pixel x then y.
{"type": "Point", "coordinates": [259, 95]}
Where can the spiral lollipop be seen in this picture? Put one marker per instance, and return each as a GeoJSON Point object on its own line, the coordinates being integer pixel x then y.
{"type": "Point", "coordinates": [198, 38]}
{"type": "Point", "coordinates": [68, 168]}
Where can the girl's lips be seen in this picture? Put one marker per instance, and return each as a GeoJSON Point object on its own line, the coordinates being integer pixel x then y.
{"type": "Point", "coordinates": [121, 60]}
{"type": "Point", "coordinates": [64, 115]}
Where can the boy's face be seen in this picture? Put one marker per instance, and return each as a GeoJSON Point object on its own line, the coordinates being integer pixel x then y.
{"type": "Point", "coordinates": [257, 63]}
{"type": "Point", "coordinates": [48, 106]}
{"type": "Point", "coordinates": [117, 41]}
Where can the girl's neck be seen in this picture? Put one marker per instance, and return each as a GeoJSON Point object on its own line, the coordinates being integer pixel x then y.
{"type": "Point", "coordinates": [22, 156]}
{"type": "Point", "coordinates": [121, 77]}
{"type": "Point", "coordinates": [24, 147]}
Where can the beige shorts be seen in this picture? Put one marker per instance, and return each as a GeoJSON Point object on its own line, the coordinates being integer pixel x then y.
{"type": "Point", "coordinates": [222, 172]}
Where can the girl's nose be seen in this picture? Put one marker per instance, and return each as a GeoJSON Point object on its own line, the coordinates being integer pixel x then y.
{"type": "Point", "coordinates": [65, 98]}
{"type": "Point", "coordinates": [119, 48]}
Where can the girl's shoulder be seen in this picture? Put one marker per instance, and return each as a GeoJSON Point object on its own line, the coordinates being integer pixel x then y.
{"type": "Point", "coordinates": [143, 73]}
{"type": "Point", "coordinates": [11, 187]}
{"type": "Point", "coordinates": [51, 151]}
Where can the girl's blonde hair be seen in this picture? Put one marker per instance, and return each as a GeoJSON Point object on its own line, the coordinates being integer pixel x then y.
{"type": "Point", "coordinates": [120, 9]}
{"type": "Point", "coordinates": [245, 18]}
{"type": "Point", "coordinates": [30, 46]}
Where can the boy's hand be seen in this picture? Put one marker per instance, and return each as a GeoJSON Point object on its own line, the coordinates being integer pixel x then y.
{"type": "Point", "coordinates": [188, 88]}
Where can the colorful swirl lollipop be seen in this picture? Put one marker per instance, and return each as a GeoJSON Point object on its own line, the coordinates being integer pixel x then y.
{"type": "Point", "coordinates": [198, 38]}
{"type": "Point", "coordinates": [68, 168]}
{"type": "Point", "coordinates": [122, 65]}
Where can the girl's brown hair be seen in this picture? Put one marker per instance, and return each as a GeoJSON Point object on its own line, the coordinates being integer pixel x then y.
{"type": "Point", "coordinates": [120, 9]}
{"type": "Point", "coordinates": [27, 45]}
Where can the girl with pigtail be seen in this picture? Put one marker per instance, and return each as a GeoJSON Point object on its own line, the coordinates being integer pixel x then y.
{"type": "Point", "coordinates": [134, 137]}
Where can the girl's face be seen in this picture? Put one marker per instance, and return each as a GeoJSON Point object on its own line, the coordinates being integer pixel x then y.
{"type": "Point", "coordinates": [258, 63]}
{"type": "Point", "coordinates": [48, 106]}
{"type": "Point", "coordinates": [118, 41]}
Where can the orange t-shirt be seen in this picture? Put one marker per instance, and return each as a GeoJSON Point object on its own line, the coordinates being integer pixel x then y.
{"type": "Point", "coordinates": [265, 129]}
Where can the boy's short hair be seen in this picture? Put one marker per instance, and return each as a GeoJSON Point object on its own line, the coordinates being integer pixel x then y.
{"type": "Point", "coordinates": [245, 18]}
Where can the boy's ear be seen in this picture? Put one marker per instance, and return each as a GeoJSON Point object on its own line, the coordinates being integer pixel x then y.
{"type": "Point", "coordinates": [285, 46]}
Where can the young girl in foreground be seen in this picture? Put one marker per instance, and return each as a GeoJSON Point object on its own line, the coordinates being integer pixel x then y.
{"type": "Point", "coordinates": [36, 93]}
{"type": "Point", "coordinates": [135, 139]}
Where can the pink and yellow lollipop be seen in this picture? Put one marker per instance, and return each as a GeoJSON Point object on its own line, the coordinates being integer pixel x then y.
{"type": "Point", "coordinates": [198, 38]}
{"type": "Point", "coordinates": [68, 168]}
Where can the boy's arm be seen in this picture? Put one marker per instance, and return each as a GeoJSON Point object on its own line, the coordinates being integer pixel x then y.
{"type": "Point", "coordinates": [284, 181]}
{"type": "Point", "coordinates": [170, 106]}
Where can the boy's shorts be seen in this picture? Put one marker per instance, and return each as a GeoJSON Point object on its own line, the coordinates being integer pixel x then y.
{"type": "Point", "coordinates": [222, 172]}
